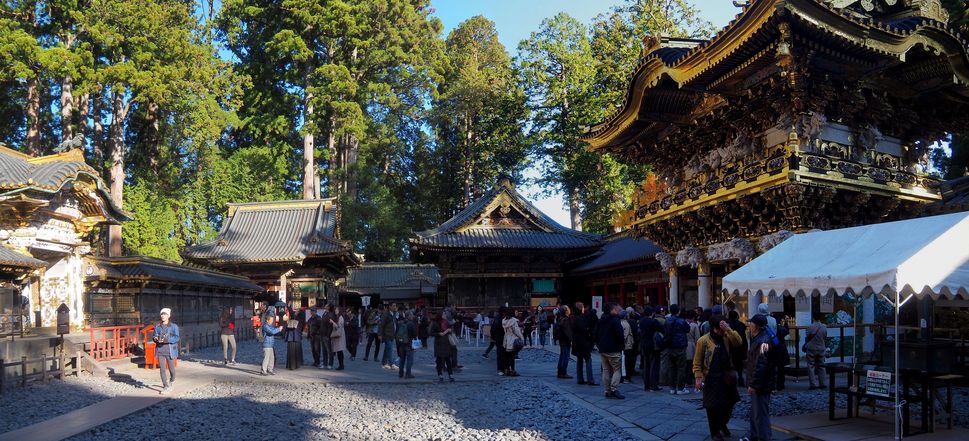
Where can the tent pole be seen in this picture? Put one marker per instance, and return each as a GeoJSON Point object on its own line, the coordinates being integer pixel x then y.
{"type": "Point", "coordinates": [898, 378]}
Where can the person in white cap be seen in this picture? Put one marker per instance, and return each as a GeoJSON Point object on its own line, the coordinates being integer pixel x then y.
{"type": "Point", "coordinates": [166, 348]}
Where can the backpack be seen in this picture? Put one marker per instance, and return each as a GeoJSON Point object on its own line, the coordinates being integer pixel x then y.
{"type": "Point", "coordinates": [659, 341]}
{"type": "Point", "coordinates": [402, 336]}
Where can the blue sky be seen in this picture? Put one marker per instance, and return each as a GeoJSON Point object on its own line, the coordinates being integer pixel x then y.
{"type": "Point", "coordinates": [516, 19]}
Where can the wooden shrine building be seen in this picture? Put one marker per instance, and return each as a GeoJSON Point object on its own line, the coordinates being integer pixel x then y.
{"type": "Point", "coordinates": [131, 290]}
{"type": "Point", "coordinates": [49, 208]}
{"type": "Point", "coordinates": [624, 271]}
{"type": "Point", "coordinates": [290, 248]}
{"type": "Point", "coordinates": [385, 282]}
{"type": "Point", "coordinates": [799, 115]}
{"type": "Point", "coordinates": [500, 249]}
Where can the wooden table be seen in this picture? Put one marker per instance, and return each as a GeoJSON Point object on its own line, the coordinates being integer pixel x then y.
{"type": "Point", "coordinates": [855, 392]}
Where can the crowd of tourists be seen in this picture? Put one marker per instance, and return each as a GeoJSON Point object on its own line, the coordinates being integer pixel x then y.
{"type": "Point", "coordinates": [336, 333]}
{"type": "Point", "coordinates": [709, 351]}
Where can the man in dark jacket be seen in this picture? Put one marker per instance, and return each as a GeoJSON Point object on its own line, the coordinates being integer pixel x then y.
{"type": "Point", "coordinates": [563, 334]}
{"type": "Point", "coordinates": [313, 332]}
{"type": "Point", "coordinates": [648, 327]}
{"type": "Point", "coordinates": [388, 328]}
{"type": "Point", "coordinates": [760, 378]}
{"type": "Point", "coordinates": [582, 344]}
{"type": "Point", "coordinates": [326, 328]}
{"type": "Point", "coordinates": [611, 341]}
{"type": "Point", "coordinates": [676, 330]}
{"type": "Point", "coordinates": [740, 354]}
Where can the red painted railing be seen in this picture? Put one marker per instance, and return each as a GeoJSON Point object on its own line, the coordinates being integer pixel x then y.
{"type": "Point", "coordinates": [113, 342]}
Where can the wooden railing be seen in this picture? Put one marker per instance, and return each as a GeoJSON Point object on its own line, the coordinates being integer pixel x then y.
{"type": "Point", "coordinates": [51, 366]}
{"type": "Point", "coordinates": [113, 342]}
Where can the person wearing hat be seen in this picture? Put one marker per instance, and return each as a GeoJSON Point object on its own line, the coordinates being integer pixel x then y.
{"type": "Point", "coordinates": [760, 378]}
{"type": "Point", "coordinates": [166, 348]}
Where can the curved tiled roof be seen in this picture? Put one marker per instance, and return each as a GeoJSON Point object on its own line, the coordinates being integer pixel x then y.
{"type": "Point", "coordinates": [12, 258]}
{"type": "Point", "coordinates": [539, 231]}
{"type": "Point", "coordinates": [49, 174]}
{"type": "Point", "coordinates": [150, 269]}
{"type": "Point", "coordinates": [279, 231]}
{"type": "Point", "coordinates": [620, 251]}
{"type": "Point", "coordinates": [383, 275]}
{"type": "Point", "coordinates": [698, 66]}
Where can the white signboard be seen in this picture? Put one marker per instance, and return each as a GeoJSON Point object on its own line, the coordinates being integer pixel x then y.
{"type": "Point", "coordinates": [597, 304]}
{"type": "Point", "coordinates": [365, 300]}
{"type": "Point", "coordinates": [827, 303]}
{"type": "Point", "coordinates": [879, 383]}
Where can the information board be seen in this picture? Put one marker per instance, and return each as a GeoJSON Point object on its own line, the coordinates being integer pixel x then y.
{"type": "Point", "coordinates": [879, 383]}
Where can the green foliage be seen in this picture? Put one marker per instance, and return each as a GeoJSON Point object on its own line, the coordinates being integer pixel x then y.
{"type": "Point", "coordinates": [479, 114]}
{"type": "Point", "coordinates": [151, 232]}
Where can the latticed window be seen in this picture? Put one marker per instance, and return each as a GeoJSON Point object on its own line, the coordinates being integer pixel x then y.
{"type": "Point", "coordinates": [124, 304]}
{"type": "Point", "coordinates": [101, 304]}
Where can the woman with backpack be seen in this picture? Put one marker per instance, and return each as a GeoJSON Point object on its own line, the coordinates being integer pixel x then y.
{"type": "Point", "coordinates": [405, 337]}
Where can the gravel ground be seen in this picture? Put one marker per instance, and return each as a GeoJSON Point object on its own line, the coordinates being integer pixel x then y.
{"type": "Point", "coordinates": [458, 411]}
{"type": "Point", "coordinates": [37, 402]}
{"type": "Point", "coordinates": [794, 403]}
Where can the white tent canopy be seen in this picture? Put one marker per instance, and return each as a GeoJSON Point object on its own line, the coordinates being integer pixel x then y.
{"type": "Point", "coordinates": [924, 256]}
{"type": "Point", "coordinates": [927, 256]}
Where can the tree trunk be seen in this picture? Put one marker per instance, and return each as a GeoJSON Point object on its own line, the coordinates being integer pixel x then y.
{"type": "Point", "coordinates": [67, 108]}
{"type": "Point", "coordinates": [83, 105]}
{"type": "Point", "coordinates": [33, 117]}
{"type": "Point", "coordinates": [153, 138]}
{"type": "Point", "coordinates": [467, 161]}
{"type": "Point", "coordinates": [349, 166]}
{"type": "Point", "coordinates": [575, 210]}
{"type": "Point", "coordinates": [309, 161]}
{"type": "Point", "coordinates": [97, 140]}
{"type": "Point", "coordinates": [331, 172]}
{"type": "Point", "coordinates": [119, 111]}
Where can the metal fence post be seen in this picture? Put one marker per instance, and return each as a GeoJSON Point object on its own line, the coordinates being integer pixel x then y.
{"type": "Point", "coordinates": [23, 370]}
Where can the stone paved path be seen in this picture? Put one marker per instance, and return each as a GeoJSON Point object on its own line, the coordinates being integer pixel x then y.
{"type": "Point", "coordinates": [644, 415]}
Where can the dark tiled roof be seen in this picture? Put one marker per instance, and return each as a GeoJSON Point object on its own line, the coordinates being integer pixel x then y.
{"type": "Point", "coordinates": [279, 231]}
{"type": "Point", "coordinates": [619, 251]}
{"type": "Point", "coordinates": [150, 269]}
{"type": "Point", "coordinates": [535, 231]}
{"type": "Point", "coordinates": [49, 174]}
{"type": "Point", "coordinates": [955, 197]}
{"type": "Point", "coordinates": [384, 275]}
{"type": "Point", "coordinates": [12, 258]}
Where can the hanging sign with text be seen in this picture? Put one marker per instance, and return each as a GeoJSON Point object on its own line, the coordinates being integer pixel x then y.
{"type": "Point", "coordinates": [879, 383]}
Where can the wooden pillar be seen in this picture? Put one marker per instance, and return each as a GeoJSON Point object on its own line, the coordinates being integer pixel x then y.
{"type": "Point", "coordinates": [703, 287]}
{"type": "Point", "coordinates": [622, 294]}
{"type": "Point", "coordinates": [674, 294]}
